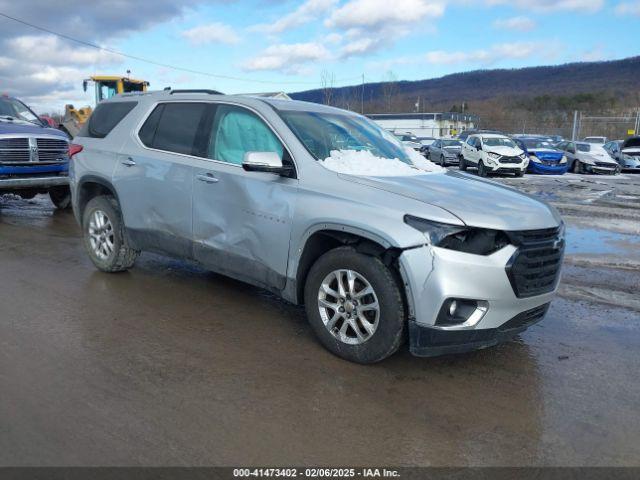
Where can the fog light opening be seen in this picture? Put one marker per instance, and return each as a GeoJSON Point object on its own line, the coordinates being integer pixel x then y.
{"type": "Point", "coordinates": [461, 313]}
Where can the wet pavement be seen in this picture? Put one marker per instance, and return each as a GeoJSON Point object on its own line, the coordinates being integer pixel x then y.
{"type": "Point", "coordinates": [171, 365]}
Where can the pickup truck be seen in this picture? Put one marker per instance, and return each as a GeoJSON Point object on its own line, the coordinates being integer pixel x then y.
{"type": "Point", "coordinates": [34, 158]}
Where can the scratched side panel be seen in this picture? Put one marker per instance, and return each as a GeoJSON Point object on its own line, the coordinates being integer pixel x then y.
{"type": "Point", "coordinates": [242, 223]}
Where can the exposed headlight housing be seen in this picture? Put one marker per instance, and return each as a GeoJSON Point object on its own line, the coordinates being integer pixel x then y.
{"type": "Point", "coordinates": [563, 159]}
{"type": "Point", "coordinates": [533, 158]}
{"type": "Point", "coordinates": [478, 241]}
{"type": "Point", "coordinates": [494, 155]}
{"type": "Point", "coordinates": [523, 156]}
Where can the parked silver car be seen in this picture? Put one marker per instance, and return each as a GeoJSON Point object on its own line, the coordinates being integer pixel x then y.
{"type": "Point", "coordinates": [444, 152]}
{"type": "Point", "coordinates": [626, 153]}
{"type": "Point", "coordinates": [245, 187]}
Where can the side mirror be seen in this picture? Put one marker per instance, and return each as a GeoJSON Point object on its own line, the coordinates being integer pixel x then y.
{"type": "Point", "coordinates": [268, 162]}
{"type": "Point", "coordinates": [478, 147]}
{"type": "Point", "coordinates": [571, 150]}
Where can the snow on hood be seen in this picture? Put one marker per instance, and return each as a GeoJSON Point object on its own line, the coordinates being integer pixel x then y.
{"type": "Point", "coordinates": [364, 163]}
{"type": "Point", "coordinates": [503, 150]}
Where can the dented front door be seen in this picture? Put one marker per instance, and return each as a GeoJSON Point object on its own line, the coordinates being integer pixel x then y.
{"type": "Point", "coordinates": [241, 220]}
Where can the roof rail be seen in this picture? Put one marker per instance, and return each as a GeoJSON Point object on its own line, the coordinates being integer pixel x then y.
{"type": "Point", "coordinates": [209, 92]}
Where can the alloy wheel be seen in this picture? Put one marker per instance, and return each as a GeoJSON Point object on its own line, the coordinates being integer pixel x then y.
{"type": "Point", "coordinates": [348, 306]}
{"type": "Point", "coordinates": [101, 235]}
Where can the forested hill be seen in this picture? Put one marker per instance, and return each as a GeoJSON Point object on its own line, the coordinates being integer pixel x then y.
{"type": "Point", "coordinates": [618, 78]}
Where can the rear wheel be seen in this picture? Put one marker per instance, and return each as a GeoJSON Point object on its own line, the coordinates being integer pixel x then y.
{"type": "Point", "coordinates": [355, 306]}
{"type": "Point", "coordinates": [482, 170]}
{"type": "Point", "coordinates": [104, 237]}
{"type": "Point", "coordinates": [61, 197]}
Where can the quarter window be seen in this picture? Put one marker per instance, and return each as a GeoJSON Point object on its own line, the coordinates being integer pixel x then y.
{"type": "Point", "coordinates": [237, 131]}
{"type": "Point", "coordinates": [105, 118]}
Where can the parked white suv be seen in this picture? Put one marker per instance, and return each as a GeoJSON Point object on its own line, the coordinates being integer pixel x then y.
{"type": "Point", "coordinates": [493, 153]}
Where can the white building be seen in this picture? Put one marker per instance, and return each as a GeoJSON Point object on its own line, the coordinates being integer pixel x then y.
{"type": "Point", "coordinates": [436, 125]}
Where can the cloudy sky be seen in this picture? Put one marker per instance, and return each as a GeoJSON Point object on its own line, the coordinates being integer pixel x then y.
{"type": "Point", "coordinates": [267, 45]}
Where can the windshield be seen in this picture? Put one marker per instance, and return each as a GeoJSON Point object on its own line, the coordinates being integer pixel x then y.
{"type": "Point", "coordinates": [537, 144]}
{"type": "Point", "coordinates": [10, 108]}
{"type": "Point", "coordinates": [451, 143]}
{"type": "Point", "coordinates": [323, 133]}
{"type": "Point", "coordinates": [498, 142]}
{"type": "Point", "coordinates": [583, 147]}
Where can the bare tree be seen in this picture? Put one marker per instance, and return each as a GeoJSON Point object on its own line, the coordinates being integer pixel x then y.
{"type": "Point", "coordinates": [327, 79]}
{"type": "Point", "coordinates": [389, 89]}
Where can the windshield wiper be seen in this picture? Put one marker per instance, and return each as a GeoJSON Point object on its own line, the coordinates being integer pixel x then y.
{"type": "Point", "coordinates": [13, 119]}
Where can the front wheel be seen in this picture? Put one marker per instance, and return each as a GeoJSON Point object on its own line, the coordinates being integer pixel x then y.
{"type": "Point", "coordinates": [61, 197]}
{"type": "Point", "coordinates": [355, 306]}
{"type": "Point", "coordinates": [482, 170]}
{"type": "Point", "coordinates": [462, 164]}
{"type": "Point", "coordinates": [577, 168]}
{"type": "Point", "coordinates": [104, 237]}
{"type": "Point", "coordinates": [442, 162]}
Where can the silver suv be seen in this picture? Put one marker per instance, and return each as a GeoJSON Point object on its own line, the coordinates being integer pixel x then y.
{"type": "Point", "coordinates": [311, 202]}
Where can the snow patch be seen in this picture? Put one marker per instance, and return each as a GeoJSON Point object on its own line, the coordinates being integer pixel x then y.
{"type": "Point", "coordinates": [422, 163]}
{"type": "Point", "coordinates": [362, 162]}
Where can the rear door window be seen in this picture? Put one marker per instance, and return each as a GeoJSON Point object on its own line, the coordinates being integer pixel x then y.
{"type": "Point", "coordinates": [175, 127]}
{"type": "Point", "coordinates": [105, 118]}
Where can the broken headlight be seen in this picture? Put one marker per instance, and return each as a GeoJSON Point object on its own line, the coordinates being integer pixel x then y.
{"type": "Point", "coordinates": [478, 241]}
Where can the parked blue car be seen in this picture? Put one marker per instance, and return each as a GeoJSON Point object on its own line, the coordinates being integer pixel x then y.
{"type": "Point", "coordinates": [34, 158]}
{"type": "Point", "coordinates": [544, 158]}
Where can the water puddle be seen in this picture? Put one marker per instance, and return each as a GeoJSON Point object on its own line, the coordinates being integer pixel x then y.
{"type": "Point", "coordinates": [598, 241]}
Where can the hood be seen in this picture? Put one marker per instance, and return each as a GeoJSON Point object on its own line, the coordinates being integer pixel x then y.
{"type": "Point", "coordinates": [453, 148]}
{"type": "Point", "coordinates": [546, 154]}
{"type": "Point", "coordinates": [592, 158]}
{"type": "Point", "coordinates": [632, 142]}
{"type": "Point", "coordinates": [502, 150]}
{"type": "Point", "coordinates": [476, 202]}
{"type": "Point", "coordinates": [8, 127]}
{"type": "Point", "coordinates": [634, 151]}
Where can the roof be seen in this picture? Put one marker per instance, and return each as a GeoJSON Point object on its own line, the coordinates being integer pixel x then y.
{"type": "Point", "coordinates": [488, 135]}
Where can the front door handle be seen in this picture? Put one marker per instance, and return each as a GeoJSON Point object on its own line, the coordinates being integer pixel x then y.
{"type": "Point", "coordinates": [129, 162]}
{"type": "Point", "coordinates": [207, 178]}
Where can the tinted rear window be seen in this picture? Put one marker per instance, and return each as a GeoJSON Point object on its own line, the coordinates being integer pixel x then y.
{"type": "Point", "coordinates": [105, 118]}
{"type": "Point", "coordinates": [173, 127]}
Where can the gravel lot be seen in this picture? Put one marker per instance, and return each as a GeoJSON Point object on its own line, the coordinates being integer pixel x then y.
{"type": "Point", "coordinates": [172, 365]}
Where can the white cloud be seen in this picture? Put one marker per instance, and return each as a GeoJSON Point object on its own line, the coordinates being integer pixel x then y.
{"type": "Point", "coordinates": [485, 57]}
{"type": "Point", "coordinates": [586, 6]}
{"type": "Point", "coordinates": [520, 24]}
{"type": "Point", "coordinates": [628, 8]}
{"type": "Point", "coordinates": [371, 25]}
{"type": "Point", "coordinates": [305, 13]}
{"type": "Point", "coordinates": [287, 58]}
{"type": "Point", "coordinates": [381, 13]}
{"type": "Point", "coordinates": [211, 33]}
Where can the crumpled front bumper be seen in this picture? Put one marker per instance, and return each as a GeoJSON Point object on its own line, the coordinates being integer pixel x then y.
{"type": "Point", "coordinates": [433, 275]}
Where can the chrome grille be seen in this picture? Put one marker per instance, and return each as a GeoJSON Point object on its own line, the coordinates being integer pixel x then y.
{"type": "Point", "coordinates": [51, 150]}
{"type": "Point", "coordinates": [14, 150]}
{"type": "Point", "coordinates": [534, 268]}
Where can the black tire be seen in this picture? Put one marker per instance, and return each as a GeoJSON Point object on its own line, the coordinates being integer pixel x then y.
{"type": "Point", "coordinates": [61, 197]}
{"type": "Point", "coordinates": [122, 256]}
{"type": "Point", "coordinates": [482, 170]}
{"type": "Point", "coordinates": [389, 333]}
{"type": "Point", "coordinates": [576, 167]}
{"type": "Point", "coordinates": [442, 162]}
{"type": "Point", "coordinates": [462, 165]}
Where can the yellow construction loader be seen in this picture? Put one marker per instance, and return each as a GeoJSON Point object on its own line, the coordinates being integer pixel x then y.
{"type": "Point", "coordinates": [106, 86]}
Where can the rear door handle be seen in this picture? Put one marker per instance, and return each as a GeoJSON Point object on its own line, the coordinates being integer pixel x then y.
{"type": "Point", "coordinates": [129, 162]}
{"type": "Point", "coordinates": [207, 178]}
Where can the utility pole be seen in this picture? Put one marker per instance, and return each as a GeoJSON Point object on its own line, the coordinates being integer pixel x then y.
{"type": "Point", "coordinates": [574, 132]}
{"type": "Point", "coordinates": [362, 97]}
